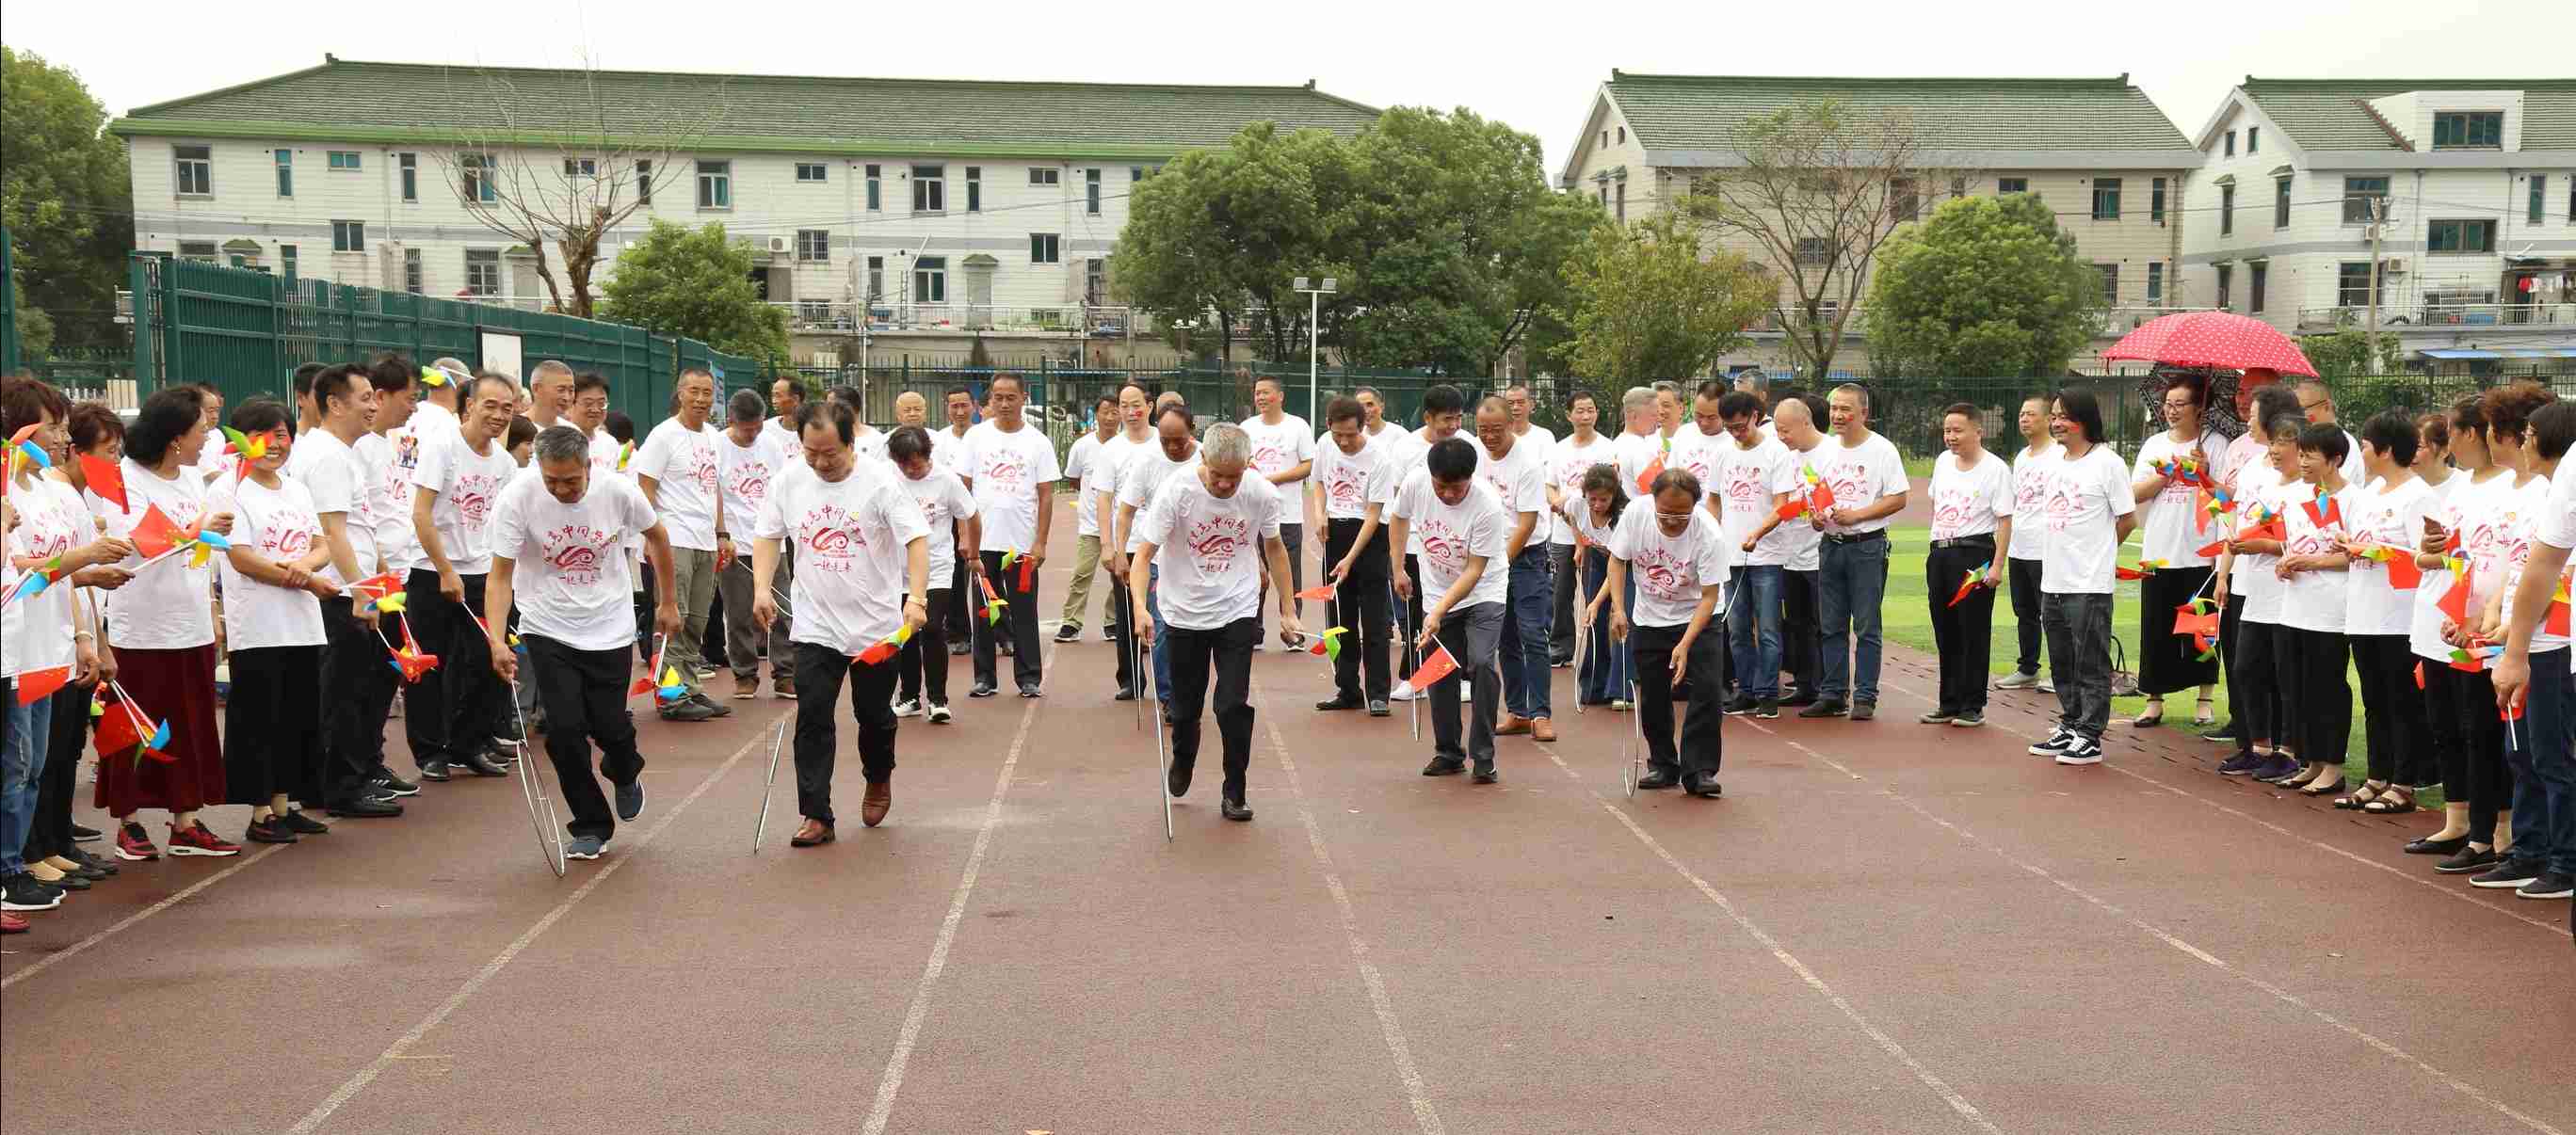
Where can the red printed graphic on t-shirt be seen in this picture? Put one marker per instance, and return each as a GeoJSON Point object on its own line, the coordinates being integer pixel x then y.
{"type": "Point", "coordinates": [701, 456]}
{"type": "Point", "coordinates": [1004, 472]}
{"type": "Point", "coordinates": [1214, 541]}
{"type": "Point", "coordinates": [581, 551]}
{"type": "Point", "coordinates": [1952, 508]}
{"type": "Point", "coordinates": [1346, 486]}
{"type": "Point", "coordinates": [751, 482]}
{"type": "Point", "coordinates": [1443, 546]}
{"type": "Point", "coordinates": [829, 535]}
{"type": "Point", "coordinates": [473, 497]}
{"type": "Point", "coordinates": [1663, 574]}
{"type": "Point", "coordinates": [290, 538]}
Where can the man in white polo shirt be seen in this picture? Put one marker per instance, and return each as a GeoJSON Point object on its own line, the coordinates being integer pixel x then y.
{"type": "Point", "coordinates": [1868, 479]}
{"type": "Point", "coordinates": [679, 471]}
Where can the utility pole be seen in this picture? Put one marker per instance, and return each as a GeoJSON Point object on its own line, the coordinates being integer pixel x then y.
{"type": "Point", "coordinates": [2378, 223]}
{"type": "Point", "coordinates": [1314, 312]}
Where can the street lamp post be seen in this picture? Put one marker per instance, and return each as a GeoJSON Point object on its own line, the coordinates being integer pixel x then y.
{"type": "Point", "coordinates": [1314, 314]}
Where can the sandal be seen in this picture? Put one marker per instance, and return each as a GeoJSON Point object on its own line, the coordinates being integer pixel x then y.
{"type": "Point", "coordinates": [2321, 787]}
{"type": "Point", "coordinates": [2206, 715]}
{"type": "Point", "coordinates": [2369, 791]}
{"type": "Point", "coordinates": [2395, 801]}
{"type": "Point", "coordinates": [2145, 721]}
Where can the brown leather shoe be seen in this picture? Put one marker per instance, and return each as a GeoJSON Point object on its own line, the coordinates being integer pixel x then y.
{"type": "Point", "coordinates": [811, 833]}
{"type": "Point", "coordinates": [873, 806]}
{"type": "Point", "coordinates": [1541, 729]}
{"type": "Point", "coordinates": [1512, 725]}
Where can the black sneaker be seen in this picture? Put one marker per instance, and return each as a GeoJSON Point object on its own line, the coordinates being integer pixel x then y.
{"type": "Point", "coordinates": [1379, 708]}
{"type": "Point", "coordinates": [1969, 720]}
{"type": "Point", "coordinates": [366, 808]}
{"type": "Point", "coordinates": [1705, 786]}
{"type": "Point", "coordinates": [1799, 698]}
{"type": "Point", "coordinates": [400, 786]}
{"type": "Point", "coordinates": [1864, 710]}
{"type": "Point", "coordinates": [1767, 708]}
{"type": "Point", "coordinates": [1825, 707]}
{"type": "Point", "coordinates": [982, 690]}
{"type": "Point", "coordinates": [687, 710]}
{"type": "Point", "coordinates": [2081, 751]}
{"type": "Point", "coordinates": [509, 733]}
{"type": "Point", "coordinates": [1031, 690]}
{"type": "Point", "coordinates": [2469, 861]}
{"type": "Point", "coordinates": [392, 786]}
{"type": "Point", "coordinates": [1069, 632]}
{"type": "Point", "coordinates": [1339, 702]}
{"type": "Point", "coordinates": [2057, 742]}
{"type": "Point", "coordinates": [1937, 717]}
{"type": "Point", "coordinates": [630, 799]}
{"type": "Point", "coordinates": [69, 881]}
{"type": "Point", "coordinates": [301, 824]}
{"type": "Point", "coordinates": [1741, 704]}
{"type": "Point", "coordinates": [23, 891]}
{"type": "Point", "coordinates": [713, 707]}
{"type": "Point", "coordinates": [2512, 874]}
{"type": "Point", "coordinates": [1485, 773]}
{"type": "Point", "coordinates": [1444, 766]}
{"type": "Point", "coordinates": [2550, 885]}
{"type": "Point", "coordinates": [99, 868]}
{"type": "Point", "coordinates": [434, 770]}
{"type": "Point", "coordinates": [83, 833]}
{"type": "Point", "coordinates": [268, 830]}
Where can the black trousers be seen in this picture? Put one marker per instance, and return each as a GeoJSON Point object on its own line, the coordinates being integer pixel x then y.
{"type": "Point", "coordinates": [2254, 680]}
{"type": "Point", "coordinates": [2451, 732]}
{"type": "Point", "coordinates": [820, 672]}
{"type": "Point", "coordinates": [2023, 577]}
{"type": "Point", "coordinates": [272, 729]}
{"type": "Point", "coordinates": [1360, 671]}
{"type": "Point", "coordinates": [2483, 765]}
{"type": "Point", "coordinates": [1964, 634]}
{"type": "Point", "coordinates": [961, 604]}
{"type": "Point", "coordinates": [2394, 735]}
{"type": "Point", "coordinates": [49, 831]}
{"type": "Point", "coordinates": [1123, 600]}
{"type": "Point", "coordinates": [358, 684]}
{"type": "Point", "coordinates": [1652, 650]}
{"type": "Point", "coordinates": [2319, 700]}
{"type": "Point", "coordinates": [924, 659]}
{"type": "Point", "coordinates": [1802, 629]}
{"type": "Point", "coordinates": [584, 692]}
{"type": "Point", "coordinates": [1560, 567]}
{"type": "Point", "coordinates": [1019, 620]}
{"type": "Point", "coordinates": [1227, 652]}
{"type": "Point", "coordinates": [2167, 662]}
{"type": "Point", "coordinates": [458, 707]}
{"type": "Point", "coordinates": [2231, 623]}
{"type": "Point", "coordinates": [644, 604]}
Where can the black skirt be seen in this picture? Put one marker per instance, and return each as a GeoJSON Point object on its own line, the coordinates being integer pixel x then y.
{"type": "Point", "coordinates": [2167, 662]}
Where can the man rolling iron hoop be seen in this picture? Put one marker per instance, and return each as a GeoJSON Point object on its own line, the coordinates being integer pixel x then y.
{"type": "Point", "coordinates": [577, 621]}
{"type": "Point", "coordinates": [861, 591]}
{"type": "Point", "coordinates": [1202, 532]}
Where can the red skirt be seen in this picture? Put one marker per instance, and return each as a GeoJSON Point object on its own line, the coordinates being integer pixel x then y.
{"type": "Point", "coordinates": [177, 686]}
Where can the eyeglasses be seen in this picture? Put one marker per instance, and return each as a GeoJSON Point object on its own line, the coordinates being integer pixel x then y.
{"type": "Point", "coordinates": [2312, 405]}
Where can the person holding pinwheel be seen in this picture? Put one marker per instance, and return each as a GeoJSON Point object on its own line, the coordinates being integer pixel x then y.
{"type": "Point", "coordinates": [274, 584]}
{"type": "Point", "coordinates": [1972, 521]}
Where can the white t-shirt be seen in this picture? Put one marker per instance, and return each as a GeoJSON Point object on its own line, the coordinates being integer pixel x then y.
{"type": "Point", "coordinates": [2086, 498]}
{"type": "Point", "coordinates": [1567, 461]}
{"type": "Point", "coordinates": [1800, 543]}
{"type": "Point", "coordinates": [2535, 504]}
{"type": "Point", "coordinates": [338, 479]}
{"type": "Point", "coordinates": [2557, 529]}
{"type": "Point", "coordinates": [1969, 502]}
{"type": "Point", "coordinates": [1545, 437]}
{"type": "Point", "coordinates": [36, 632]}
{"type": "Point", "coordinates": [2030, 475]}
{"type": "Point", "coordinates": [1704, 457]}
{"type": "Point", "coordinates": [2315, 600]}
{"type": "Point", "coordinates": [1519, 483]}
{"type": "Point", "coordinates": [1005, 470]}
{"type": "Point", "coordinates": [944, 501]}
{"type": "Point", "coordinates": [2424, 627]}
{"type": "Point", "coordinates": [397, 460]}
{"type": "Point", "coordinates": [171, 606]}
{"type": "Point", "coordinates": [1476, 526]}
{"type": "Point", "coordinates": [1637, 452]}
{"type": "Point", "coordinates": [947, 447]}
{"type": "Point", "coordinates": [866, 441]}
{"type": "Point", "coordinates": [278, 524]}
{"type": "Point", "coordinates": [1279, 447]}
{"type": "Point", "coordinates": [746, 472]}
{"type": "Point", "coordinates": [1344, 478]}
{"type": "Point", "coordinates": [2257, 484]}
{"type": "Point", "coordinates": [1743, 490]}
{"type": "Point", "coordinates": [1208, 552]}
{"type": "Point", "coordinates": [1102, 473]}
{"type": "Point", "coordinates": [1142, 479]}
{"type": "Point", "coordinates": [2497, 519]}
{"type": "Point", "coordinates": [466, 483]}
{"type": "Point", "coordinates": [777, 427]}
{"type": "Point", "coordinates": [684, 468]}
{"type": "Point", "coordinates": [2351, 468]}
{"type": "Point", "coordinates": [1669, 571]}
{"type": "Point", "coordinates": [1861, 475]}
{"type": "Point", "coordinates": [1399, 453]}
{"type": "Point", "coordinates": [2382, 516]}
{"type": "Point", "coordinates": [569, 560]}
{"type": "Point", "coordinates": [850, 560]}
{"type": "Point", "coordinates": [2169, 530]}
{"type": "Point", "coordinates": [1077, 469]}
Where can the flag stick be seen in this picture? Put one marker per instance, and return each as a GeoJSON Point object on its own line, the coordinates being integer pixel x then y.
{"type": "Point", "coordinates": [769, 786]}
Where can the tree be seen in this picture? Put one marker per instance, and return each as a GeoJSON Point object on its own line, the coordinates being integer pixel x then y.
{"type": "Point", "coordinates": [1647, 302]}
{"type": "Point", "coordinates": [1224, 233]}
{"type": "Point", "coordinates": [695, 283]}
{"type": "Point", "coordinates": [548, 187]}
{"type": "Point", "coordinates": [65, 198]}
{"type": "Point", "coordinates": [1817, 190]}
{"type": "Point", "coordinates": [1987, 287]}
{"type": "Point", "coordinates": [2346, 353]}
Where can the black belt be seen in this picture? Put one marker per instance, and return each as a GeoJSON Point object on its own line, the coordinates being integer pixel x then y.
{"type": "Point", "coordinates": [1855, 537]}
{"type": "Point", "coordinates": [1980, 540]}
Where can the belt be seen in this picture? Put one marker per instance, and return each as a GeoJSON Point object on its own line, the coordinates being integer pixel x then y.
{"type": "Point", "coordinates": [1980, 540]}
{"type": "Point", "coordinates": [1855, 537]}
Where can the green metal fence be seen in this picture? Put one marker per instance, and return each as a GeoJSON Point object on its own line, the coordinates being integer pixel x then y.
{"type": "Point", "coordinates": [247, 331]}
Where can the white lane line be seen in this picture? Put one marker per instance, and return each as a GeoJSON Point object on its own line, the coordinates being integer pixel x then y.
{"type": "Point", "coordinates": [40, 965]}
{"type": "Point", "coordinates": [2554, 928]}
{"type": "Point", "coordinates": [1424, 1115]}
{"type": "Point", "coordinates": [321, 1113]}
{"type": "Point", "coordinates": [1929, 1079]}
{"type": "Point", "coordinates": [892, 1081]}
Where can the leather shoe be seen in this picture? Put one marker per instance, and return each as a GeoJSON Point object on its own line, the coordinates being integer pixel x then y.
{"type": "Point", "coordinates": [1705, 786]}
{"type": "Point", "coordinates": [482, 765]}
{"type": "Point", "coordinates": [435, 771]}
{"type": "Point", "coordinates": [1177, 782]}
{"type": "Point", "coordinates": [1378, 708]}
{"type": "Point", "coordinates": [366, 808]}
{"type": "Point", "coordinates": [1338, 702]}
{"type": "Point", "coordinates": [874, 805]}
{"type": "Point", "coordinates": [1542, 729]}
{"type": "Point", "coordinates": [1658, 778]}
{"type": "Point", "coordinates": [1512, 725]}
{"type": "Point", "coordinates": [1444, 766]}
{"type": "Point", "coordinates": [1125, 693]}
{"type": "Point", "coordinates": [1235, 809]}
{"type": "Point", "coordinates": [811, 833]}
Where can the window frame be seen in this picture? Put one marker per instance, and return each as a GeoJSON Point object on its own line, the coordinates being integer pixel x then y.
{"type": "Point", "coordinates": [876, 280]}
{"type": "Point", "coordinates": [2230, 151]}
{"type": "Point", "coordinates": [1904, 199]}
{"type": "Point", "coordinates": [2462, 226]}
{"type": "Point", "coordinates": [974, 189]}
{"type": "Point", "coordinates": [2227, 210]}
{"type": "Point", "coordinates": [926, 272]}
{"type": "Point", "coordinates": [211, 253]}
{"type": "Point", "coordinates": [821, 170]}
{"type": "Point", "coordinates": [2348, 293]}
{"type": "Point", "coordinates": [1042, 176]}
{"type": "Point", "coordinates": [348, 237]}
{"type": "Point", "coordinates": [2156, 200]}
{"type": "Point", "coordinates": [2462, 126]}
{"type": "Point", "coordinates": [288, 256]}
{"type": "Point", "coordinates": [813, 246]}
{"type": "Point", "coordinates": [2280, 203]}
{"type": "Point", "coordinates": [285, 174]}
{"type": "Point", "coordinates": [2353, 197]}
{"type": "Point", "coordinates": [720, 180]}
{"type": "Point", "coordinates": [644, 182]}
{"type": "Point", "coordinates": [2005, 185]}
{"type": "Point", "coordinates": [415, 279]}
{"type": "Point", "coordinates": [1046, 248]}
{"type": "Point", "coordinates": [2253, 140]}
{"type": "Point", "coordinates": [477, 257]}
{"type": "Point", "coordinates": [349, 161]}
{"type": "Point", "coordinates": [478, 171]}
{"type": "Point", "coordinates": [2257, 274]}
{"type": "Point", "coordinates": [1823, 252]}
{"type": "Point", "coordinates": [929, 190]}
{"type": "Point", "coordinates": [202, 164]}
{"type": "Point", "coordinates": [876, 189]}
{"type": "Point", "coordinates": [407, 177]}
{"type": "Point", "coordinates": [2155, 283]}
{"type": "Point", "coordinates": [2108, 275]}
{"type": "Point", "coordinates": [2226, 282]}
{"type": "Point", "coordinates": [2539, 198]}
{"type": "Point", "coordinates": [2111, 186]}
{"type": "Point", "coordinates": [1091, 192]}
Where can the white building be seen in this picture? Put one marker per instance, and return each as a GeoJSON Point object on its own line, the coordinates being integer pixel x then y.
{"type": "Point", "coordinates": [933, 207]}
{"type": "Point", "coordinates": [2475, 184]}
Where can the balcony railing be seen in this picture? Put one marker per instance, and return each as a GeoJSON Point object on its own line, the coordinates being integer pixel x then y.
{"type": "Point", "coordinates": [2398, 315]}
{"type": "Point", "coordinates": [2115, 320]}
{"type": "Point", "coordinates": [1071, 319]}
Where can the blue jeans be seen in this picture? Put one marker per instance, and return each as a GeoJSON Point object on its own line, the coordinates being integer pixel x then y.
{"type": "Point", "coordinates": [1753, 629]}
{"type": "Point", "coordinates": [2544, 766]}
{"type": "Point", "coordinates": [1162, 630]}
{"type": "Point", "coordinates": [1855, 584]}
{"type": "Point", "coordinates": [1606, 673]}
{"type": "Point", "coordinates": [1525, 625]}
{"type": "Point", "coordinates": [22, 763]}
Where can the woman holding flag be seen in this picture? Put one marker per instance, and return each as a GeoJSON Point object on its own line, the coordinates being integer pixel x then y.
{"type": "Point", "coordinates": [274, 586]}
{"type": "Point", "coordinates": [162, 628]}
{"type": "Point", "coordinates": [2386, 517]}
{"type": "Point", "coordinates": [2173, 471]}
{"type": "Point", "coordinates": [2313, 568]}
{"type": "Point", "coordinates": [2450, 447]}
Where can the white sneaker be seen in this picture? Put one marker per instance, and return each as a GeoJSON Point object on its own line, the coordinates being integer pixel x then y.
{"type": "Point", "coordinates": [1403, 693]}
{"type": "Point", "coordinates": [2047, 687]}
{"type": "Point", "coordinates": [2017, 680]}
{"type": "Point", "coordinates": [907, 708]}
{"type": "Point", "coordinates": [2084, 751]}
{"type": "Point", "coordinates": [938, 713]}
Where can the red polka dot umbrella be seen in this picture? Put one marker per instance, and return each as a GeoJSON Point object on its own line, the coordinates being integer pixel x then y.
{"type": "Point", "coordinates": [2218, 339]}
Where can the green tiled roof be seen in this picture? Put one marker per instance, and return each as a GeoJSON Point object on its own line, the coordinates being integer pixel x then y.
{"type": "Point", "coordinates": [2328, 114]}
{"type": "Point", "coordinates": [351, 101]}
{"type": "Point", "coordinates": [1696, 112]}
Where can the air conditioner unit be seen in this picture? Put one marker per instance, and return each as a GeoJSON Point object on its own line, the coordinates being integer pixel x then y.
{"type": "Point", "coordinates": [780, 245]}
{"type": "Point", "coordinates": [2392, 268]}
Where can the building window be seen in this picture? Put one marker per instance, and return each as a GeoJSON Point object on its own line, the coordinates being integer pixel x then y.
{"type": "Point", "coordinates": [2226, 276]}
{"type": "Point", "coordinates": [643, 183]}
{"type": "Point", "coordinates": [286, 260]}
{"type": "Point", "coordinates": [2460, 236]}
{"type": "Point", "coordinates": [1958, 187]}
{"type": "Point", "coordinates": [2012, 185]}
{"type": "Point", "coordinates": [1043, 248]}
{"type": "Point", "coordinates": [411, 271]}
{"type": "Point", "coordinates": [1044, 176]}
{"type": "Point", "coordinates": [876, 278]}
{"type": "Point", "coordinates": [974, 189]}
{"type": "Point", "coordinates": [715, 185]}
{"type": "Point", "coordinates": [930, 189]}
{"type": "Point", "coordinates": [2473, 130]}
{"type": "Point", "coordinates": [811, 171]}
{"type": "Point", "coordinates": [2110, 274]}
{"type": "Point", "coordinates": [2254, 274]}
{"type": "Point", "coordinates": [2254, 143]}
{"type": "Point", "coordinates": [581, 167]}
{"type": "Point", "coordinates": [813, 244]}
{"type": "Point", "coordinates": [286, 173]}
{"type": "Point", "coordinates": [2539, 198]}
{"type": "Point", "coordinates": [876, 190]}
{"type": "Point", "coordinates": [1135, 174]}
{"type": "Point", "coordinates": [348, 236]}
{"type": "Point", "coordinates": [1623, 135]}
{"type": "Point", "coordinates": [1095, 281]}
{"type": "Point", "coordinates": [930, 278]}
{"type": "Point", "coordinates": [483, 271]}
{"type": "Point", "coordinates": [2281, 203]}
{"type": "Point", "coordinates": [2352, 284]}
{"type": "Point", "coordinates": [1091, 192]}
{"type": "Point", "coordinates": [2231, 144]}
{"type": "Point", "coordinates": [1813, 250]}
{"type": "Point", "coordinates": [409, 166]}
{"type": "Point", "coordinates": [2106, 198]}
{"type": "Point", "coordinates": [1904, 202]}
{"type": "Point", "coordinates": [344, 159]}
{"type": "Point", "coordinates": [479, 170]}
{"type": "Point", "coordinates": [2361, 195]}
{"type": "Point", "coordinates": [197, 250]}
{"type": "Point", "coordinates": [196, 170]}
{"type": "Point", "coordinates": [2226, 211]}
{"type": "Point", "coordinates": [2155, 283]}
{"type": "Point", "coordinates": [2156, 200]}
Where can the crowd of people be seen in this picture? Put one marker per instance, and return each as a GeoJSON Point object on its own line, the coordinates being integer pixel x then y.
{"type": "Point", "coordinates": [497, 560]}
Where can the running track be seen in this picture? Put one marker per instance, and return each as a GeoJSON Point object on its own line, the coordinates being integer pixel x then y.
{"type": "Point", "coordinates": [1882, 927]}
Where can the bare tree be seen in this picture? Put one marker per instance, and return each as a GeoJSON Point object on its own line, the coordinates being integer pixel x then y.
{"type": "Point", "coordinates": [1818, 189]}
{"type": "Point", "coordinates": [556, 159]}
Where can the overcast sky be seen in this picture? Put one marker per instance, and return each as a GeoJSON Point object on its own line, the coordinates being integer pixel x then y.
{"type": "Point", "coordinates": [1533, 65]}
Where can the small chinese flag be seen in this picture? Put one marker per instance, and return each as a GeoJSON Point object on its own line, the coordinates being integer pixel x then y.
{"type": "Point", "coordinates": [155, 534]}
{"type": "Point", "coordinates": [2403, 575]}
{"type": "Point", "coordinates": [1793, 508]}
{"type": "Point", "coordinates": [2455, 602]}
{"type": "Point", "coordinates": [1321, 591]}
{"type": "Point", "coordinates": [2557, 622]}
{"type": "Point", "coordinates": [1439, 665]}
{"type": "Point", "coordinates": [37, 685]}
{"type": "Point", "coordinates": [885, 648]}
{"type": "Point", "coordinates": [106, 478]}
{"type": "Point", "coordinates": [2330, 515]}
{"type": "Point", "coordinates": [1646, 476]}
{"type": "Point", "coordinates": [2211, 549]}
{"type": "Point", "coordinates": [2271, 529]}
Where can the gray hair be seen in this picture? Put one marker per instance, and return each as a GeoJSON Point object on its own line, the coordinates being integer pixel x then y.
{"type": "Point", "coordinates": [1668, 386]}
{"type": "Point", "coordinates": [1857, 391]}
{"type": "Point", "coordinates": [1227, 445]}
{"type": "Point", "coordinates": [746, 406]}
{"type": "Point", "coordinates": [1637, 398]}
{"type": "Point", "coordinates": [546, 369]}
{"type": "Point", "coordinates": [563, 443]}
